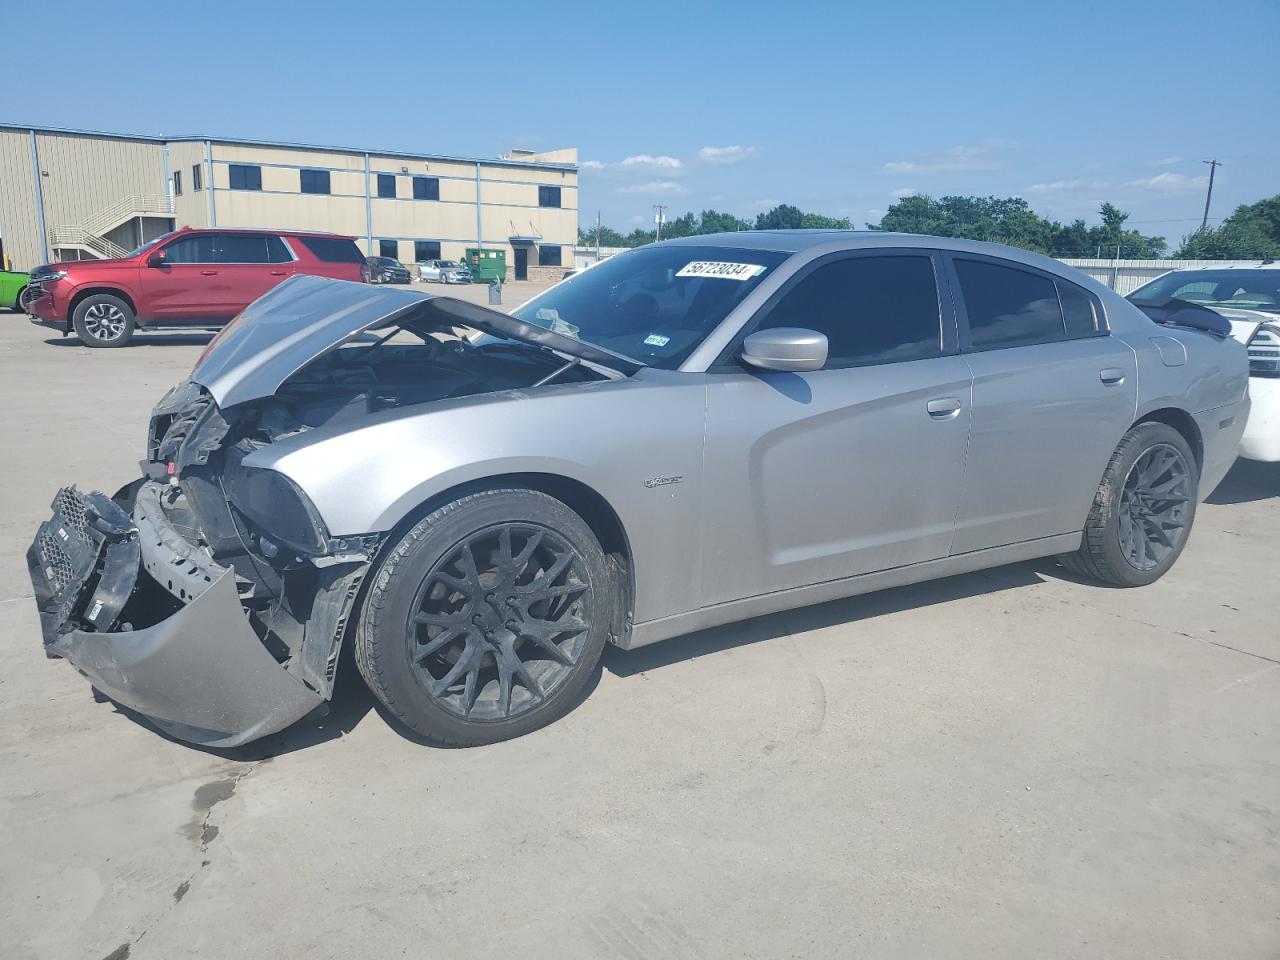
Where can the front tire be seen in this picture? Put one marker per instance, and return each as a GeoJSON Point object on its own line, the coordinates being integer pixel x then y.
{"type": "Point", "coordinates": [1143, 510]}
{"type": "Point", "coordinates": [487, 620]}
{"type": "Point", "coordinates": [103, 320]}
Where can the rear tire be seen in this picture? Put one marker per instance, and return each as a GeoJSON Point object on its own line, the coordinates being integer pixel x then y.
{"type": "Point", "coordinates": [1143, 510]}
{"type": "Point", "coordinates": [487, 620]}
{"type": "Point", "coordinates": [17, 301]}
{"type": "Point", "coordinates": [103, 320]}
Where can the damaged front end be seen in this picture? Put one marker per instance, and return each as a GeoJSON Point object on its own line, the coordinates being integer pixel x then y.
{"type": "Point", "coordinates": [158, 625]}
{"type": "Point", "coordinates": [210, 596]}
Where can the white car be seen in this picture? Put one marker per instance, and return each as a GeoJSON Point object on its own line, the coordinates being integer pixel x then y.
{"type": "Point", "coordinates": [443, 271]}
{"type": "Point", "coordinates": [1248, 297]}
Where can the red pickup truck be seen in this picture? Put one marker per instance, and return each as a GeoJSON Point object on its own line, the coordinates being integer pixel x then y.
{"type": "Point", "coordinates": [189, 279]}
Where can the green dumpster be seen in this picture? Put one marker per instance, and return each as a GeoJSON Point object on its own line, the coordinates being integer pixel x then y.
{"type": "Point", "coordinates": [487, 265]}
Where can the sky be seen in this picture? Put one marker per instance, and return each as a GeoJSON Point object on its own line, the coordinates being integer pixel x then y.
{"type": "Point", "coordinates": [838, 108]}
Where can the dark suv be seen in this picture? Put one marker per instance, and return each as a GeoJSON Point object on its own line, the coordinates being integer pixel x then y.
{"type": "Point", "coordinates": [189, 279]}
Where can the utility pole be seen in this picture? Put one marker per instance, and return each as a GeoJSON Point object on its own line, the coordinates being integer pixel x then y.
{"type": "Point", "coordinates": [659, 219]}
{"type": "Point", "coordinates": [597, 236]}
{"type": "Point", "coordinates": [1213, 166]}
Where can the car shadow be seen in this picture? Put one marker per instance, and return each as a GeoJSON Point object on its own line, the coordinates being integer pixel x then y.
{"type": "Point", "coordinates": [851, 610]}
{"type": "Point", "coordinates": [1247, 482]}
{"type": "Point", "coordinates": [352, 700]}
{"type": "Point", "coordinates": [194, 339]}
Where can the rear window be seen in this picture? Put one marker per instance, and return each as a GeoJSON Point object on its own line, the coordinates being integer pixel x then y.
{"type": "Point", "coordinates": [333, 249]}
{"type": "Point", "coordinates": [1008, 307]}
{"type": "Point", "coordinates": [251, 248]}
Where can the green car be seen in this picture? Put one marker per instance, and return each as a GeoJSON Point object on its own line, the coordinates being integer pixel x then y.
{"type": "Point", "coordinates": [12, 285]}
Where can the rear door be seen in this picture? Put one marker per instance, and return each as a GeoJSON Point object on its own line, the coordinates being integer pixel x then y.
{"type": "Point", "coordinates": [1053, 393]}
{"type": "Point", "coordinates": [846, 470]}
{"type": "Point", "coordinates": [249, 264]}
{"type": "Point", "coordinates": [182, 289]}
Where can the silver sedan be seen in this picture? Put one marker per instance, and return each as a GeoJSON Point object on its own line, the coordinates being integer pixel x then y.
{"type": "Point", "coordinates": [687, 434]}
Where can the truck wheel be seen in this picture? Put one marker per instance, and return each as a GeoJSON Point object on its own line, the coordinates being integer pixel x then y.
{"type": "Point", "coordinates": [1143, 510]}
{"type": "Point", "coordinates": [103, 321]}
{"type": "Point", "coordinates": [487, 620]}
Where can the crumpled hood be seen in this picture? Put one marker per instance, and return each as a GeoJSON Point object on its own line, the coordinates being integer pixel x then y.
{"type": "Point", "coordinates": [306, 317]}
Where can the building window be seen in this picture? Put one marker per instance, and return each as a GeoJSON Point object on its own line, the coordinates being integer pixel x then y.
{"type": "Point", "coordinates": [426, 188]}
{"type": "Point", "coordinates": [424, 250]}
{"type": "Point", "coordinates": [548, 196]}
{"type": "Point", "coordinates": [548, 256]}
{"type": "Point", "coordinates": [197, 178]}
{"type": "Point", "coordinates": [389, 249]}
{"type": "Point", "coordinates": [177, 183]}
{"type": "Point", "coordinates": [315, 181]}
{"type": "Point", "coordinates": [245, 177]}
{"type": "Point", "coordinates": [387, 185]}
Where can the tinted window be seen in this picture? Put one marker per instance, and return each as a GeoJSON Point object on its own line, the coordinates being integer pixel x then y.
{"type": "Point", "coordinates": [1078, 310]}
{"type": "Point", "coordinates": [177, 183]}
{"type": "Point", "coordinates": [194, 249]}
{"type": "Point", "coordinates": [426, 188]}
{"type": "Point", "coordinates": [389, 249]}
{"type": "Point", "coordinates": [872, 309]}
{"type": "Point", "coordinates": [548, 256]}
{"type": "Point", "coordinates": [314, 181]}
{"type": "Point", "coordinates": [387, 185]}
{"type": "Point", "coordinates": [245, 177]}
{"type": "Point", "coordinates": [548, 196]}
{"type": "Point", "coordinates": [424, 250]}
{"type": "Point", "coordinates": [197, 180]}
{"type": "Point", "coordinates": [331, 249]}
{"type": "Point", "coordinates": [250, 248]}
{"type": "Point", "coordinates": [1008, 307]}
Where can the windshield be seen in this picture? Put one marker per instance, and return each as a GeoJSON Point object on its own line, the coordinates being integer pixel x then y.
{"type": "Point", "coordinates": [148, 245]}
{"type": "Point", "coordinates": [654, 304]}
{"type": "Point", "coordinates": [1243, 289]}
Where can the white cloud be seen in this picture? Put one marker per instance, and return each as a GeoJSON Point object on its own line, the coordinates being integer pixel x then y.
{"type": "Point", "coordinates": [1165, 161]}
{"type": "Point", "coordinates": [644, 161]}
{"type": "Point", "coordinates": [656, 188]}
{"type": "Point", "coordinates": [904, 192]}
{"type": "Point", "coordinates": [592, 165]}
{"type": "Point", "coordinates": [730, 154]}
{"type": "Point", "coordinates": [960, 158]}
{"type": "Point", "coordinates": [1057, 186]}
{"type": "Point", "coordinates": [875, 214]}
{"type": "Point", "coordinates": [1170, 183]}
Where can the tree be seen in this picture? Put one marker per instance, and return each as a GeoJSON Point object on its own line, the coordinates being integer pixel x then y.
{"type": "Point", "coordinates": [1011, 220]}
{"type": "Point", "coordinates": [787, 217]}
{"type": "Point", "coordinates": [1252, 232]}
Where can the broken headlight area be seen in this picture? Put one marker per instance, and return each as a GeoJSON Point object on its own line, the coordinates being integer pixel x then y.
{"type": "Point", "coordinates": [217, 650]}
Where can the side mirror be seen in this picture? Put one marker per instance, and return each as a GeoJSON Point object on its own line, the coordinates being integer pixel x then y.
{"type": "Point", "coordinates": [156, 259]}
{"type": "Point", "coordinates": [786, 348]}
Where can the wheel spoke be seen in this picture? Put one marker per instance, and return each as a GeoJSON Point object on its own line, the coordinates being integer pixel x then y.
{"type": "Point", "coordinates": [439, 642]}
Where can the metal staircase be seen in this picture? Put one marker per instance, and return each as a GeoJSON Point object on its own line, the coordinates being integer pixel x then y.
{"type": "Point", "coordinates": [89, 234]}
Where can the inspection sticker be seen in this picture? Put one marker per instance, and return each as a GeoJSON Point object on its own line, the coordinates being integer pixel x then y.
{"type": "Point", "coordinates": [721, 269]}
{"type": "Point", "coordinates": [656, 340]}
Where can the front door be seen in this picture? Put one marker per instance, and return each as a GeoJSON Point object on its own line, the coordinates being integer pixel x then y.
{"type": "Point", "coordinates": [522, 263]}
{"type": "Point", "coordinates": [856, 467]}
{"type": "Point", "coordinates": [1052, 396]}
{"type": "Point", "coordinates": [182, 289]}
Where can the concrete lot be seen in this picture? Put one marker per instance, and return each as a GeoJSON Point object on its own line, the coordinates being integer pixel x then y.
{"type": "Point", "coordinates": [1001, 764]}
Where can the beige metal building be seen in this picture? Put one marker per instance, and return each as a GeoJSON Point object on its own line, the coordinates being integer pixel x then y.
{"type": "Point", "coordinates": [71, 194]}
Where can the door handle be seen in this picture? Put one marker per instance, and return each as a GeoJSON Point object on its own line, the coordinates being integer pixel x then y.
{"type": "Point", "coordinates": [208, 273]}
{"type": "Point", "coordinates": [944, 408]}
{"type": "Point", "coordinates": [277, 273]}
{"type": "Point", "coordinates": [1110, 375]}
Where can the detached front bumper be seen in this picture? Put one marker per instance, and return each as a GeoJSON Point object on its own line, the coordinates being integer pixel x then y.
{"type": "Point", "coordinates": [154, 626]}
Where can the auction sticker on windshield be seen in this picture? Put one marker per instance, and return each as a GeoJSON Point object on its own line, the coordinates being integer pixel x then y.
{"type": "Point", "coordinates": [720, 269]}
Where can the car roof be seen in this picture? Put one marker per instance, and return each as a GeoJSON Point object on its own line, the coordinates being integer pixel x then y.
{"type": "Point", "coordinates": [798, 241]}
{"type": "Point", "coordinates": [1210, 265]}
{"type": "Point", "coordinates": [264, 230]}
